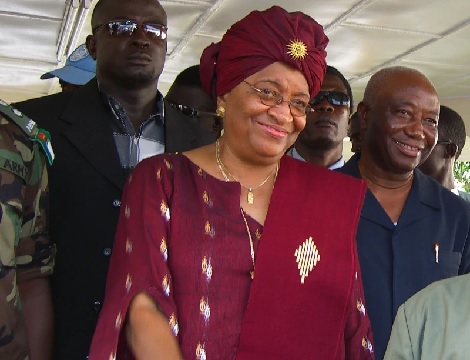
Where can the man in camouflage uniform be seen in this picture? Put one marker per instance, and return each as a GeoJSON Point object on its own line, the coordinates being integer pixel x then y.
{"type": "Point", "coordinates": [26, 256]}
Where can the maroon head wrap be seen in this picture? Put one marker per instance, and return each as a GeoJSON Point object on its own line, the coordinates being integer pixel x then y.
{"type": "Point", "coordinates": [260, 39]}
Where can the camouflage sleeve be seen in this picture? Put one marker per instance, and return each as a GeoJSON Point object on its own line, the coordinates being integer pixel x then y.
{"type": "Point", "coordinates": [23, 197]}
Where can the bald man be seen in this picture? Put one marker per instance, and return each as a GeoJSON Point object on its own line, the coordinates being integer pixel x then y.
{"type": "Point", "coordinates": [412, 231]}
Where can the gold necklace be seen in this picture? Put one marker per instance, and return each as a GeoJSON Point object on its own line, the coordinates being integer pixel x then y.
{"type": "Point", "coordinates": [367, 178]}
{"type": "Point", "coordinates": [252, 250]}
{"type": "Point", "coordinates": [390, 187]}
{"type": "Point", "coordinates": [250, 198]}
{"type": "Point", "coordinates": [219, 162]}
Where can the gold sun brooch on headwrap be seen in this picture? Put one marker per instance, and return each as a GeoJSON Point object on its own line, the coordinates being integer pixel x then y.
{"type": "Point", "coordinates": [297, 49]}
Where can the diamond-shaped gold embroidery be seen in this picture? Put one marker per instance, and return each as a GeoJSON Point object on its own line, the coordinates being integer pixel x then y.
{"type": "Point", "coordinates": [307, 256]}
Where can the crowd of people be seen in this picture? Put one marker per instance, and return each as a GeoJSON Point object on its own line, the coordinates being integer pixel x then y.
{"type": "Point", "coordinates": [222, 221]}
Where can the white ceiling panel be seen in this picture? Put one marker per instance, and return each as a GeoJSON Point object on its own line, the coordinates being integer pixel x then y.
{"type": "Point", "coordinates": [454, 49]}
{"type": "Point", "coordinates": [428, 16]}
{"type": "Point", "coordinates": [46, 8]}
{"type": "Point", "coordinates": [36, 42]}
{"type": "Point", "coordinates": [363, 43]}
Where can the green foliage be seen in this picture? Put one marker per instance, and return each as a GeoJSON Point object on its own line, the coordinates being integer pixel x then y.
{"type": "Point", "coordinates": [462, 175]}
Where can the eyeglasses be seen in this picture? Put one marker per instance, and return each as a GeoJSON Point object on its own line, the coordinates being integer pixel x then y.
{"type": "Point", "coordinates": [191, 112]}
{"type": "Point", "coordinates": [128, 27]}
{"type": "Point", "coordinates": [336, 98]}
{"type": "Point", "coordinates": [270, 97]}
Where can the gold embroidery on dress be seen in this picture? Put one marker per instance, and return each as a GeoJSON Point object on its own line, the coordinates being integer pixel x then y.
{"type": "Point", "coordinates": [159, 174]}
{"type": "Point", "coordinates": [207, 228]}
{"type": "Point", "coordinates": [128, 246]}
{"type": "Point", "coordinates": [202, 305]}
{"type": "Point", "coordinates": [200, 171]}
{"type": "Point", "coordinates": [118, 321]}
{"type": "Point", "coordinates": [168, 165]}
{"type": "Point", "coordinates": [206, 268]}
{"type": "Point", "coordinates": [166, 285]}
{"type": "Point", "coordinates": [165, 210]}
{"type": "Point", "coordinates": [367, 345]}
{"type": "Point", "coordinates": [164, 249]}
{"type": "Point", "coordinates": [209, 271]}
{"type": "Point", "coordinates": [200, 352]}
{"type": "Point", "coordinates": [205, 309]}
{"type": "Point", "coordinates": [307, 256]}
{"type": "Point", "coordinates": [205, 197]}
{"type": "Point", "coordinates": [258, 234]}
{"type": "Point", "coordinates": [174, 324]}
{"type": "Point", "coordinates": [128, 282]}
{"type": "Point", "coordinates": [360, 307]}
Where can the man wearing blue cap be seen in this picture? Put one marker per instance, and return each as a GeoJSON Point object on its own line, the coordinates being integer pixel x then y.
{"type": "Point", "coordinates": [79, 68]}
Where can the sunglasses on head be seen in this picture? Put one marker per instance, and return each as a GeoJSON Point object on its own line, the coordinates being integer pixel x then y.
{"type": "Point", "coordinates": [336, 98]}
{"type": "Point", "coordinates": [127, 28]}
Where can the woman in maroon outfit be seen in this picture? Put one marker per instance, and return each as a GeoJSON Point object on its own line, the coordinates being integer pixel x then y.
{"type": "Point", "coordinates": [234, 251]}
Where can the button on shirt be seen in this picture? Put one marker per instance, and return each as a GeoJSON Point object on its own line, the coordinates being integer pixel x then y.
{"type": "Point", "coordinates": [134, 145]}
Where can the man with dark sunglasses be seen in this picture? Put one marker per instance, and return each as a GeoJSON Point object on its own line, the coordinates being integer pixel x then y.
{"type": "Point", "coordinates": [451, 139]}
{"type": "Point", "coordinates": [102, 130]}
{"type": "Point", "coordinates": [321, 141]}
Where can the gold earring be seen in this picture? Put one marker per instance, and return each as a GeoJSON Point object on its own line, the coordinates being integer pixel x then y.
{"type": "Point", "coordinates": [220, 112]}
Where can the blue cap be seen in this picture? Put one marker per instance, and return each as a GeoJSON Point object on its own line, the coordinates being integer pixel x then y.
{"type": "Point", "coordinates": [78, 70]}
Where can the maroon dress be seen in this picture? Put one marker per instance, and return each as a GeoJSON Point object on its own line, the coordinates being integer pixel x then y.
{"type": "Point", "coordinates": [182, 239]}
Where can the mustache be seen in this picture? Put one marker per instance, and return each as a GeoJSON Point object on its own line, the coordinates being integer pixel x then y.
{"type": "Point", "coordinates": [325, 120]}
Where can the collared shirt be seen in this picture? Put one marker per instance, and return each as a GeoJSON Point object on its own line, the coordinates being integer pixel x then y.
{"type": "Point", "coordinates": [134, 145]}
{"type": "Point", "coordinates": [295, 154]}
